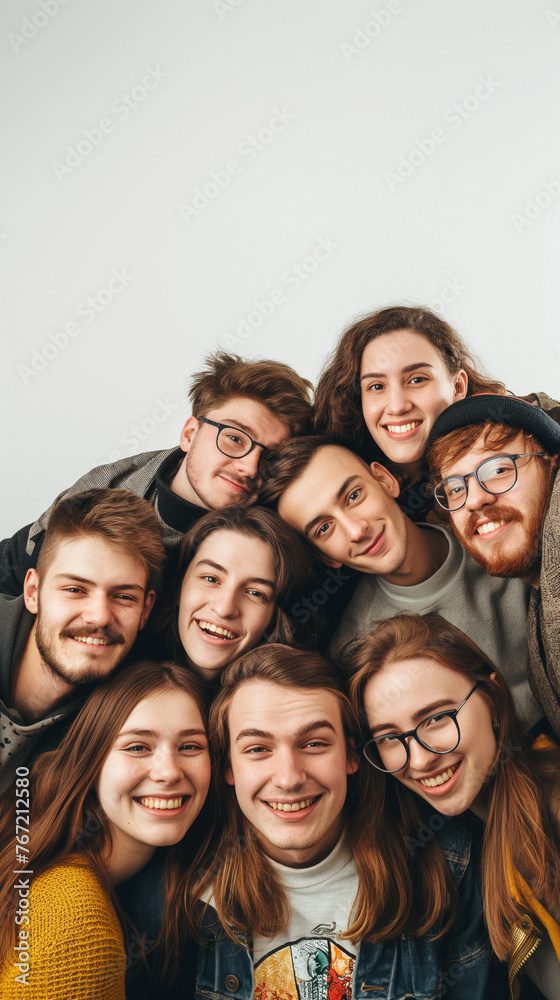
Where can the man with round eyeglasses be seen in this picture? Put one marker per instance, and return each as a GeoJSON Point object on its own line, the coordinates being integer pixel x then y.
{"type": "Point", "coordinates": [241, 410]}
{"type": "Point", "coordinates": [494, 460]}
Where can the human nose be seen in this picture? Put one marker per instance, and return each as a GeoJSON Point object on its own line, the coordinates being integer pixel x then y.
{"type": "Point", "coordinates": [97, 609]}
{"type": "Point", "coordinates": [477, 495]}
{"type": "Point", "coordinates": [419, 757]}
{"type": "Point", "coordinates": [397, 399]}
{"type": "Point", "coordinates": [166, 766]}
{"type": "Point", "coordinates": [248, 465]}
{"type": "Point", "coordinates": [356, 528]}
{"type": "Point", "coordinates": [225, 602]}
{"type": "Point", "coordinates": [289, 772]}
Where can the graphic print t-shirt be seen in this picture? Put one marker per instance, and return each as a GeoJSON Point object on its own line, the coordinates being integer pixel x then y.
{"type": "Point", "coordinates": [309, 960]}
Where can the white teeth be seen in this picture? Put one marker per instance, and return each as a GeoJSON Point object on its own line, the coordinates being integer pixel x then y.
{"type": "Point", "coordinates": [439, 779]}
{"type": "Point", "coordinates": [91, 641]}
{"type": "Point", "coordinates": [162, 803]}
{"type": "Point", "coordinates": [402, 428]}
{"type": "Point", "coordinates": [217, 630]}
{"type": "Point", "coordinates": [290, 806]}
{"type": "Point", "coordinates": [483, 529]}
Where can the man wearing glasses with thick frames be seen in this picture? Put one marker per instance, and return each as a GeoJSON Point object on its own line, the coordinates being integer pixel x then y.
{"type": "Point", "coordinates": [241, 410]}
{"type": "Point", "coordinates": [494, 460]}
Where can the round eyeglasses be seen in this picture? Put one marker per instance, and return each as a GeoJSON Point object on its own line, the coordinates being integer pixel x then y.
{"type": "Point", "coordinates": [235, 443]}
{"type": "Point", "coordinates": [496, 475]}
{"type": "Point", "coordinates": [438, 733]}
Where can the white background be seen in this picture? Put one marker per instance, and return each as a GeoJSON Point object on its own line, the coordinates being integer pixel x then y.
{"type": "Point", "coordinates": [356, 95]}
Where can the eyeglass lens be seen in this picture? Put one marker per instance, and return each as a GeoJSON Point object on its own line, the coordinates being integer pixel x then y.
{"type": "Point", "coordinates": [439, 733]}
{"type": "Point", "coordinates": [497, 475]}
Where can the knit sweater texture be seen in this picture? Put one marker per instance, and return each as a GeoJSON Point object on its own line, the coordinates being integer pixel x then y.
{"type": "Point", "coordinates": [76, 949]}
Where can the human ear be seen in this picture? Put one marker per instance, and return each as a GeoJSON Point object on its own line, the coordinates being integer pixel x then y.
{"type": "Point", "coordinates": [386, 479]}
{"type": "Point", "coordinates": [460, 385]}
{"type": "Point", "coordinates": [31, 590]}
{"type": "Point", "coordinates": [148, 605]}
{"type": "Point", "coordinates": [228, 775]}
{"type": "Point", "coordinates": [187, 434]}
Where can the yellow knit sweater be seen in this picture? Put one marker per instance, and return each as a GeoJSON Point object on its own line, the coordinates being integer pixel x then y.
{"type": "Point", "coordinates": [76, 949]}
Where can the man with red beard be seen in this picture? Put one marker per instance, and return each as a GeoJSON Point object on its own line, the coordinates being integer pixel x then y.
{"type": "Point", "coordinates": [495, 460]}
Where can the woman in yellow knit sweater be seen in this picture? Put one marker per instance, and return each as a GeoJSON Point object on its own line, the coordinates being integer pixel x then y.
{"type": "Point", "coordinates": [443, 724]}
{"type": "Point", "coordinates": [131, 775]}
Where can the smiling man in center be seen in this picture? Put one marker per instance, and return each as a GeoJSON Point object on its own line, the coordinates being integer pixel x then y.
{"type": "Point", "coordinates": [303, 891]}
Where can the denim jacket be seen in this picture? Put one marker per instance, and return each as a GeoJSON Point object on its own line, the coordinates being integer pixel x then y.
{"type": "Point", "coordinates": [457, 966]}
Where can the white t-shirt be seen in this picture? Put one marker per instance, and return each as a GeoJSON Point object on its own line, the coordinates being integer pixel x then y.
{"type": "Point", "coordinates": [309, 960]}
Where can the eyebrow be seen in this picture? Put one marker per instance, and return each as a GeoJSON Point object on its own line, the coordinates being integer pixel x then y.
{"type": "Point", "coordinates": [241, 427]}
{"type": "Point", "coordinates": [154, 733]}
{"type": "Point", "coordinates": [422, 713]}
{"type": "Point", "coordinates": [222, 569]}
{"type": "Point", "coordinates": [405, 370]}
{"type": "Point", "coordinates": [92, 583]}
{"type": "Point", "coordinates": [339, 493]}
{"type": "Point", "coordinates": [304, 730]}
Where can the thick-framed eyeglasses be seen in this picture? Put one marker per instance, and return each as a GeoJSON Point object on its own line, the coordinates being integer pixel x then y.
{"type": "Point", "coordinates": [438, 733]}
{"type": "Point", "coordinates": [496, 475]}
{"type": "Point", "coordinates": [236, 443]}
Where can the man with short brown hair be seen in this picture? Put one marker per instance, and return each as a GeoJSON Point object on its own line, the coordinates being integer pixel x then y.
{"type": "Point", "coordinates": [241, 410]}
{"type": "Point", "coordinates": [78, 617]}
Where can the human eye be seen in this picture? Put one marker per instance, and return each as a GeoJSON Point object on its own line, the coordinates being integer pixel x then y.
{"type": "Point", "coordinates": [323, 529]}
{"type": "Point", "coordinates": [418, 379]}
{"type": "Point", "coordinates": [387, 740]}
{"type": "Point", "coordinates": [209, 578]}
{"type": "Point", "coordinates": [355, 494]}
{"type": "Point", "coordinates": [435, 721]}
{"type": "Point", "coordinates": [375, 387]}
{"type": "Point", "coordinates": [127, 597]}
{"type": "Point", "coordinates": [193, 747]}
{"type": "Point", "coordinates": [317, 745]}
{"type": "Point", "coordinates": [259, 594]}
{"type": "Point", "coordinates": [73, 590]}
{"type": "Point", "coordinates": [136, 748]}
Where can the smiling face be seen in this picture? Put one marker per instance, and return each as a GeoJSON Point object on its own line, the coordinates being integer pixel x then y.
{"type": "Point", "coordinates": [227, 599]}
{"type": "Point", "coordinates": [348, 512]}
{"type": "Point", "coordinates": [405, 693]}
{"type": "Point", "coordinates": [289, 764]}
{"type": "Point", "coordinates": [503, 531]}
{"type": "Point", "coordinates": [90, 603]}
{"type": "Point", "coordinates": [156, 776]}
{"type": "Point", "coordinates": [405, 385]}
{"type": "Point", "coordinates": [210, 479]}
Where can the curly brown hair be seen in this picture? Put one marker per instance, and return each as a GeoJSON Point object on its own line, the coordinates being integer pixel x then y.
{"type": "Point", "coordinates": [338, 408]}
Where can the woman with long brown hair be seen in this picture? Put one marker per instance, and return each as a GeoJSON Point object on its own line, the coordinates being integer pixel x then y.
{"type": "Point", "coordinates": [443, 728]}
{"type": "Point", "coordinates": [132, 774]}
{"type": "Point", "coordinates": [391, 374]}
{"type": "Point", "coordinates": [237, 575]}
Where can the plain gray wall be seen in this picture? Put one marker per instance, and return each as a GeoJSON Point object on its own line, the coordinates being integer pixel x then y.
{"type": "Point", "coordinates": [178, 161]}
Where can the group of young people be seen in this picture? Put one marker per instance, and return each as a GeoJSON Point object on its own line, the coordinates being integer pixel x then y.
{"type": "Point", "coordinates": [280, 708]}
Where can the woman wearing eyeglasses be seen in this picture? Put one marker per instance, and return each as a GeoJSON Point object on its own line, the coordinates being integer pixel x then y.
{"type": "Point", "coordinates": [442, 726]}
